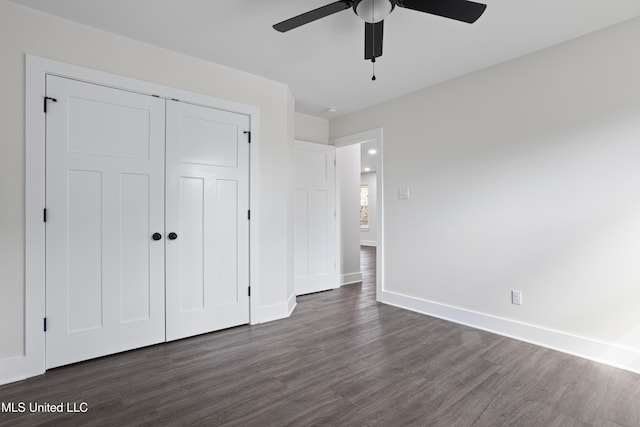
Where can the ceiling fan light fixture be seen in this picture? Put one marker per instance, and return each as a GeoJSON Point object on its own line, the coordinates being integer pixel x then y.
{"type": "Point", "coordinates": [373, 11]}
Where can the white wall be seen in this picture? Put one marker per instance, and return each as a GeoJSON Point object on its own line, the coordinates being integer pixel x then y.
{"type": "Point", "coordinates": [25, 31]}
{"type": "Point", "coordinates": [522, 176]}
{"type": "Point", "coordinates": [368, 236]}
{"type": "Point", "coordinates": [311, 129]}
{"type": "Point", "coordinates": [348, 211]}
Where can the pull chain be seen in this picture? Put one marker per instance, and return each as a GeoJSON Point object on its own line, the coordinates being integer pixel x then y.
{"type": "Point", "coordinates": [373, 54]}
{"type": "Point", "coordinates": [373, 65]}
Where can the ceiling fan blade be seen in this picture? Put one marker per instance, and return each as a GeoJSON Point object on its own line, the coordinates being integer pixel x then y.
{"type": "Point", "coordinates": [460, 10]}
{"type": "Point", "coordinates": [373, 39]}
{"type": "Point", "coordinates": [313, 15]}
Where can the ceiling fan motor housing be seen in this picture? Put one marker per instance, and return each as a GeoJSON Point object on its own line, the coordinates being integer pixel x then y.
{"type": "Point", "coordinates": [373, 11]}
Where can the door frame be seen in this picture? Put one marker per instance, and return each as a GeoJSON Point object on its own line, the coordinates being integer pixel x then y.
{"type": "Point", "coordinates": [37, 68]}
{"type": "Point", "coordinates": [358, 138]}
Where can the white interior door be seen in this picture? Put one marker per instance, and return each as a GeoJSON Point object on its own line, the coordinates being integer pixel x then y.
{"type": "Point", "coordinates": [105, 200]}
{"type": "Point", "coordinates": [207, 202]}
{"type": "Point", "coordinates": [314, 218]}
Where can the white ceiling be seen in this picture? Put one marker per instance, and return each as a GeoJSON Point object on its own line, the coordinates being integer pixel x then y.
{"type": "Point", "coordinates": [322, 62]}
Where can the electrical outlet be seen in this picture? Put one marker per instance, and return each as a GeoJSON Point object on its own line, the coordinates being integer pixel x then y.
{"type": "Point", "coordinates": [516, 297]}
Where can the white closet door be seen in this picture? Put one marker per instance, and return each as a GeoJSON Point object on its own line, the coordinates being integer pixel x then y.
{"type": "Point", "coordinates": [207, 202]}
{"type": "Point", "coordinates": [314, 218]}
{"type": "Point", "coordinates": [105, 200]}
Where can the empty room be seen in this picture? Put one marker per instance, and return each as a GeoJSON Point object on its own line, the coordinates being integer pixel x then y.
{"type": "Point", "coordinates": [349, 213]}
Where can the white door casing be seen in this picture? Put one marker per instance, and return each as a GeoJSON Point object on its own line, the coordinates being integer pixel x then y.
{"type": "Point", "coordinates": [34, 361]}
{"type": "Point", "coordinates": [314, 218]}
{"type": "Point", "coordinates": [105, 199]}
{"type": "Point", "coordinates": [207, 204]}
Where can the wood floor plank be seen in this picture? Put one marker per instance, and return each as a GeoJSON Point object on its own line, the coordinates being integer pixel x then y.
{"type": "Point", "coordinates": [341, 359]}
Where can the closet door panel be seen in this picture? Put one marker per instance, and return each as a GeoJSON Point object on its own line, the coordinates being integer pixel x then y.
{"type": "Point", "coordinates": [104, 199]}
{"type": "Point", "coordinates": [207, 194]}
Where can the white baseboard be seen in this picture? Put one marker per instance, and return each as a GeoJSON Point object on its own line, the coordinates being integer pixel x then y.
{"type": "Point", "coordinates": [269, 313]}
{"type": "Point", "coordinates": [609, 354]}
{"type": "Point", "coordinates": [291, 304]}
{"type": "Point", "coordinates": [368, 243]}
{"type": "Point", "coordinates": [13, 369]}
{"type": "Point", "coordinates": [349, 278]}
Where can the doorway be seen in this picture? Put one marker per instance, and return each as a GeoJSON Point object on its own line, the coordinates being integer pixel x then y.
{"type": "Point", "coordinates": [371, 139]}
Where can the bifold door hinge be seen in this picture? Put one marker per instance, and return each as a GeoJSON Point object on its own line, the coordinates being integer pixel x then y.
{"type": "Point", "coordinates": [48, 98]}
{"type": "Point", "coordinates": [249, 288]}
{"type": "Point", "coordinates": [249, 214]}
{"type": "Point", "coordinates": [248, 133]}
{"type": "Point", "coordinates": [45, 324]}
{"type": "Point", "coordinates": [44, 215]}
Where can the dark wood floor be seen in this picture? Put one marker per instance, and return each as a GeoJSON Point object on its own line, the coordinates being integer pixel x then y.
{"type": "Point", "coordinates": [344, 360]}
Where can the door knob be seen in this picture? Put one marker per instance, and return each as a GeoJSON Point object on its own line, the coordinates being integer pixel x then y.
{"type": "Point", "coordinates": [156, 236]}
{"type": "Point", "coordinates": [172, 236]}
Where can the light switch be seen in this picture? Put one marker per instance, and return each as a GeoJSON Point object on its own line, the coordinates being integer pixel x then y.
{"type": "Point", "coordinates": [403, 193]}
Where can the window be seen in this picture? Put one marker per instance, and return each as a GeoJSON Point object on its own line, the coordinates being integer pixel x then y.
{"type": "Point", "coordinates": [364, 206]}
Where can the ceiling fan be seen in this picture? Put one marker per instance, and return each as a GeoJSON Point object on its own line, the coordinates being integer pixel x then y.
{"type": "Point", "coordinates": [373, 13]}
